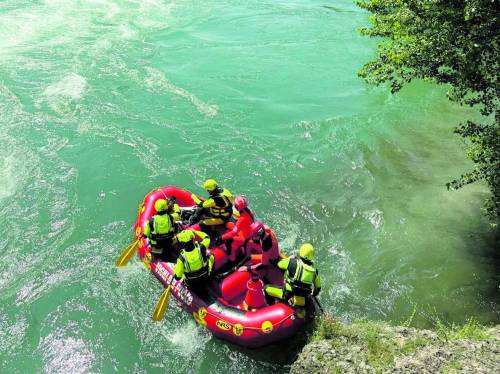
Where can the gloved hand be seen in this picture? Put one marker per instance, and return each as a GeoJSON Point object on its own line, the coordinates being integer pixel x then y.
{"type": "Point", "coordinates": [243, 268]}
{"type": "Point", "coordinates": [217, 240]}
{"type": "Point", "coordinates": [228, 243]}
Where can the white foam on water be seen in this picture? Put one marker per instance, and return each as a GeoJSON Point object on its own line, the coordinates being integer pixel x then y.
{"type": "Point", "coordinates": [375, 217]}
{"type": "Point", "coordinates": [57, 226]}
{"type": "Point", "coordinates": [12, 333]}
{"type": "Point", "coordinates": [153, 14]}
{"type": "Point", "coordinates": [62, 93]}
{"type": "Point", "coordinates": [22, 28]}
{"type": "Point", "coordinates": [187, 339]}
{"type": "Point", "coordinates": [156, 81]}
{"type": "Point", "coordinates": [72, 86]}
{"type": "Point", "coordinates": [65, 354]}
{"type": "Point", "coordinates": [134, 269]}
{"type": "Point", "coordinates": [8, 176]}
{"type": "Point", "coordinates": [111, 9]}
{"type": "Point", "coordinates": [35, 288]}
{"type": "Point", "coordinates": [126, 32]}
{"type": "Point", "coordinates": [14, 33]}
{"type": "Point", "coordinates": [55, 3]}
{"type": "Point", "coordinates": [145, 149]}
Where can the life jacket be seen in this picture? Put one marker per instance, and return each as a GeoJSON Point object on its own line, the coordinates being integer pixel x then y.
{"type": "Point", "coordinates": [267, 242]}
{"type": "Point", "coordinates": [195, 263]}
{"type": "Point", "coordinates": [175, 211]}
{"type": "Point", "coordinates": [270, 250]}
{"type": "Point", "coordinates": [162, 229]}
{"type": "Point", "coordinates": [301, 276]}
{"type": "Point", "coordinates": [245, 223]}
{"type": "Point", "coordinates": [223, 203]}
{"type": "Point", "coordinates": [250, 213]}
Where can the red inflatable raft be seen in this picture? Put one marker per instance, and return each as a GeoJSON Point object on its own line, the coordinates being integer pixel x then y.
{"type": "Point", "coordinates": [234, 308]}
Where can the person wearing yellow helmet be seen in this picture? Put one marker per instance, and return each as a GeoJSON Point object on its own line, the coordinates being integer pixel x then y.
{"type": "Point", "coordinates": [301, 278]}
{"type": "Point", "coordinates": [193, 262]}
{"type": "Point", "coordinates": [160, 230]}
{"type": "Point", "coordinates": [210, 185]}
{"type": "Point", "coordinates": [217, 209]}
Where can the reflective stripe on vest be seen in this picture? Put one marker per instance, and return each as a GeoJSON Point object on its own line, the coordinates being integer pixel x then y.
{"type": "Point", "coordinates": [223, 205]}
{"type": "Point", "coordinates": [195, 264]}
{"type": "Point", "coordinates": [303, 278]}
{"type": "Point", "coordinates": [162, 228]}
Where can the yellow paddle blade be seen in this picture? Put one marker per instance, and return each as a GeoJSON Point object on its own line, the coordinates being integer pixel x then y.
{"type": "Point", "coordinates": [162, 305]}
{"type": "Point", "coordinates": [127, 254]}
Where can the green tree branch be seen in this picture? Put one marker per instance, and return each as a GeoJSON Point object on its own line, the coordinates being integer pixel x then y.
{"type": "Point", "coordinates": [453, 42]}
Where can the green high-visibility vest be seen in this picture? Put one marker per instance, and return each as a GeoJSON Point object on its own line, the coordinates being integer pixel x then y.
{"type": "Point", "coordinates": [162, 228]}
{"type": "Point", "coordinates": [302, 280]}
{"type": "Point", "coordinates": [195, 263]}
{"type": "Point", "coordinates": [223, 204]}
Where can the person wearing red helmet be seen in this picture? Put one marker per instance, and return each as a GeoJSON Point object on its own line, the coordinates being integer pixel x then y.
{"type": "Point", "coordinates": [238, 233]}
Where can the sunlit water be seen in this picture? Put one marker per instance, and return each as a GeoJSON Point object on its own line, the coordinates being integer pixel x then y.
{"type": "Point", "coordinates": [100, 101]}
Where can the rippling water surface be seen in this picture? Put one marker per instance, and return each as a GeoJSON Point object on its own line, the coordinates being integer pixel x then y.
{"type": "Point", "coordinates": [100, 101]}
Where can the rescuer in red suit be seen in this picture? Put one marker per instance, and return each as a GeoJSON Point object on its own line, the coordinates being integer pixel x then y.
{"type": "Point", "coordinates": [263, 241]}
{"type": "Point", "coordinates": [238, 233]}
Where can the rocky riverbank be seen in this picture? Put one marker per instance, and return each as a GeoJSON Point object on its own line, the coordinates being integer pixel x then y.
{"type": "Point", "coordinates": [373, 347]}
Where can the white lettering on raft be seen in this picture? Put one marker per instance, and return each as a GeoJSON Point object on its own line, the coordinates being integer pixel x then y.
{"type": "Point", "coordinates": [163, 273]}
{"type": "Point", "coordinates": [178, 287]}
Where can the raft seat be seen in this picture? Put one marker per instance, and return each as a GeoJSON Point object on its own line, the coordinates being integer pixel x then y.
{"type": "Point", "coordinates": [234, 286]}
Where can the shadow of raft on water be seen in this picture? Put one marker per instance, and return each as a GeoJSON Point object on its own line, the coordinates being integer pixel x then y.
{"type": "Point", "coordinates": [279, 355]}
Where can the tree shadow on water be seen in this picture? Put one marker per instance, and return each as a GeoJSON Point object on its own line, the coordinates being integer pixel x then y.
{"type": "Point", "coordinates": [485, 247]}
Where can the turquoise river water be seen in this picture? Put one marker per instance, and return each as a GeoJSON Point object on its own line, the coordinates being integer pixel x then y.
{"type": "Point", "coordinates": [101, 101]}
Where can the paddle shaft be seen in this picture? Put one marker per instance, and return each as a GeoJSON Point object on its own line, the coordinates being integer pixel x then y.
{"type": "Point", "coordinates": [162, 305]}
{"type": "Point", "coordinates": [318, 304]}
{"type": "Point", "coordinates": [127, 254]}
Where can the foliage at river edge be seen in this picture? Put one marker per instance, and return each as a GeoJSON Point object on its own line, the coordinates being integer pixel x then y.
{"type": "Point", "coordinates": [452, 42]}
{"type": "Point", "coordinates": [377, 347]}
